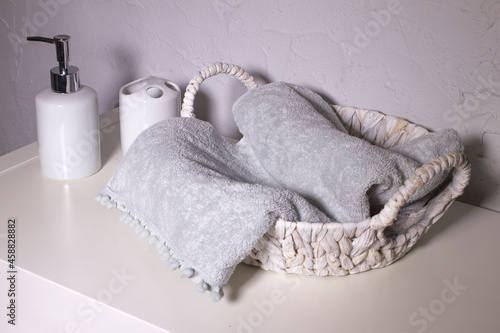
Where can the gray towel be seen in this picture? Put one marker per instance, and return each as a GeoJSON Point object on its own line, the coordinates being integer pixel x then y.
{"type": "Point", "coordinates": [301, 143]}
{"type": "Point", "coordinates": [205, 202]}
{"type": "Point", "coordinates": [200, 199]}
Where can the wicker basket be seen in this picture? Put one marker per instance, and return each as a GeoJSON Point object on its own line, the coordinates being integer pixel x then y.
{"type": "Point", "coordinates": [332, 248]}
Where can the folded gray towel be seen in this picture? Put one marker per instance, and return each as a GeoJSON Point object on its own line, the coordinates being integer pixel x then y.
{"type": "Point", "coordinates": [200, 198]}
{"type": "Point", "coordinates": [205, 202]}
{"type": "Point", "coordinates": [308, 151]}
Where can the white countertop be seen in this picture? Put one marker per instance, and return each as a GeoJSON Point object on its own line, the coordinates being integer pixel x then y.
{"type": "Point", "coordinates": [70, 244]}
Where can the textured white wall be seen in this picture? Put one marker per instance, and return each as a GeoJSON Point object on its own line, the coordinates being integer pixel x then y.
{"type": "Point", "coordinates": [435, 63]}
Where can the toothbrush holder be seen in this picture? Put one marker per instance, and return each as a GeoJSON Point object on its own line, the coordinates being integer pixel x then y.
{"type": "Point", "coordinates": [145, 102]}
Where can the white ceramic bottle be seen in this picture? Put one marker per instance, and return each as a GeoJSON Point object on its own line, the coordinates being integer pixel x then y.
{"type": "Point", "coordinates": [67, 118]}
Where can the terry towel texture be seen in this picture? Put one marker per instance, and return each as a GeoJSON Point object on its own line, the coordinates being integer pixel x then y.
{"type": "Point", "coordinates": [206, 202]}
{"type": "Point", "coordinates": [300, 142]}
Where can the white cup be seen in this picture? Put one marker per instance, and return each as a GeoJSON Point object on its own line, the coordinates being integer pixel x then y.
{"type": "Point", "coordinates": [145, 102]}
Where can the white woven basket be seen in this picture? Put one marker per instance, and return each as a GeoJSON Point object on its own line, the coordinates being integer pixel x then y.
{"type": "Point", "coordinates": [346, 248]}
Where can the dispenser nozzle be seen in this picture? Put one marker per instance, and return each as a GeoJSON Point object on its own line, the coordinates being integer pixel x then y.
{"type": "Point", "coordinates": [64, 78]}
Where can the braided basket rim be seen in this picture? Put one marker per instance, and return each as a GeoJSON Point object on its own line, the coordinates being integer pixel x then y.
{"type": "Point", "coordinates": [334, 248]}
{"type": "Point", "coordinates": [292, 247]}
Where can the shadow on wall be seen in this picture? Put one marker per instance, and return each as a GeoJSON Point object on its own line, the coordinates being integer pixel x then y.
{"type": "Point", "coordinates": [482, 187]}
{"type": "Point", "coordinates": [204, 104]}
{"type": "Point", "coordinates": [125, 73]}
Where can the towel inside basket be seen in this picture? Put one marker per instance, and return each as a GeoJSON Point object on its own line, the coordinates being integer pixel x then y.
{"type": "Point", "coordinates": [205, 202]}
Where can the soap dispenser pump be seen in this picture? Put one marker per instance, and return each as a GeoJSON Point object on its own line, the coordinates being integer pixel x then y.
{"type": "Point", "coordinates": [67, 118]}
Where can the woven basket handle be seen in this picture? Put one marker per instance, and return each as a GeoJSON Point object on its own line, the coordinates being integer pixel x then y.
{"type": "Point", "coordinates": [461, 177]}
{"type": "Point", "coordinates": [209, 71]}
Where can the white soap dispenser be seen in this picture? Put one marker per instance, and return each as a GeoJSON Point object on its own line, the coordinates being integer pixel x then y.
{"type": "Point", "coordinates": [67, 118]}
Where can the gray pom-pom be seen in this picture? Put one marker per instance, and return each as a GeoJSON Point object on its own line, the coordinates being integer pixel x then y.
{"type": "Point", "coordinates": [110, 204]}
{"type": "Point", "coordinates": [152, 239]}
{"type": "Point", "coordinates": [173, 264]}
{"type": "Point", "coordinates": [165, 256]}
{"type": "Point", "coordinates": [202, 287]}
{"type": "Point", "coordinates": [216, 295]}
{"type": "Point", "coordinates": [187, 272]}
